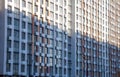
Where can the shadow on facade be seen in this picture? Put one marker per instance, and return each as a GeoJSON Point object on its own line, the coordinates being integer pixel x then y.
{"type": "Point", "coordinates": [93, 55]}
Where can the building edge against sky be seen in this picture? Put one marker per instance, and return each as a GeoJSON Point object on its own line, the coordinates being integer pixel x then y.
{"type": "Point", "coordinates": [60, 38]}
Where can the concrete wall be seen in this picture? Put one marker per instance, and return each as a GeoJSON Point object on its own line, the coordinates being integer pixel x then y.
{"type": "Point", "coordinates": [2, 35]}
{"type": "Point", "coordinates": [73, 40]}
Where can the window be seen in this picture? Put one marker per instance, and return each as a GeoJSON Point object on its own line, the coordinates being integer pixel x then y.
{"type": "Point", "coordinates": [60, 44]}
{"type": "Point", "coordinates": [8, 67]}
{"type": "Point", "coordinates": [16, 12]}
{"type": "Point", "coordinates": [29, 69]}
{"type": "Point", "coordinates": [60, 35]}
{"type": "Point", "coordinates": [47, 12]}
{"type": "Point", "coordinates": [17, 2]}
{"type": "Point", "coordinates": [69, 8]}
{"type": "Point", "coordinates": [77, 26]}
{"type": "Point", "coordinates": [64, 2]}
{"type": "Point", "coordinates": [23, 14]}
{"type": "Point", "coordinates": [23, 35]}
{"type": "Point", "coordinates": [61, 10]}
{"type": "Point", "coordinates": [9, 0]}
{"type": "Point", "coordinates": [69, 32]}
{"type": "Point", "coordinates": [15, 68]}
{"type": "Point", "coordinates": [64, 71]}
{"type": "Point", "coordinates": [35, 28]}
{"type": "Point", "coordinates": [9, 9]}
{"type": "Point", "coordinates": [43, 40]}
{"type": "Point", "coordinates": [45, 60]}
{"type": "Point", "coordinates": [29, 37]}
{"type": "Point", "coordinates": [29, 17]}
{"type": "Point", "coordinates": [36, 8]}
{"type": "Point", "coordinates": [41, 1]}
{"type": "Point", "coordinates": [9, 32]}
{"type": "Point", "coordinates": [47, 4]}
{"type": "Point", "coordinates": [77, 9]}
{"type": "Point", "coordinates": [41, 19]}
{"type": "Point", "coordinates": [64, 11]}
{"type": "Point", "coordinates": [69, 47]}
{"type": "Point", "coordinates": [64, 19]}
{"type": "Point", "coordinates": [22, 57]}
{"type": "Point", "coordinates": [56, 0]}
{"type": "Point", "coordinates": [41, 10]}
{"type": "Point", "coordinates": [36, 0]}
{"type": "Point", "coordinates": [23, 3]}
{"type": "Point", "coordinates": [61, 2]}
{"type": "Point", "coordinates": [69, 15]}
{"type": "Point", "coordinates": [30, 7]}
{"type": "Point", "coordinates": [29, 27]}
{"type": "Point", "coordinates": [9, 20]}
{"type": "Point", "coordinates": [36, 18]}
{"type": "Point", "coordinates": [51, 6]}
{"type": "Point", "coordinates": [51, 22]}
{"type": "Point", "coordinates": [16, 46]}
{"type": "Point", "coordinates": [56, 16]}
{"type": "Point", "coordinates": [50, 61]}
{"type": "Point", "coordinates": [9, 43]}
{"type": "Point", "coordinates": [56, 7]}
{"type": "Point", "coordinates": [8, 55]}
{"type": "Point", "coordinates": [23, 25]}
{"type": "Point", "coordinates": [22, 68]}
{"type": "Point", "coordinates": [23, 46]}
{"type": "Point", "coordinates": [51, 42]}
{"type": "Point", "coordinates": [16, 57]}
{"type": "Point", "coordinates": [16, 23]}
{"type": "Point", "coordinates": [52, 15]}
{"type": "Point", "coordinates": [16, 35]}
{"type": "Point", "coordinates": [60, 18]}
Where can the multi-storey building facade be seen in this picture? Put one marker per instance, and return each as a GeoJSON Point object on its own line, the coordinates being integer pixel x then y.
{"type": "Point", "coordinates": [60, 38]}
{"type": "Point", "coordinates": [96, 44]}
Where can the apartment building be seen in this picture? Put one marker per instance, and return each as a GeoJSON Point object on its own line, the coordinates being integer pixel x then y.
{"type": "Point", "coordinates": [95, 38]}
{"type": "Point", "coordinates": [60, 38]}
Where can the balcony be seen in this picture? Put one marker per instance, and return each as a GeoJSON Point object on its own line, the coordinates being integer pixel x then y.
{"type": "Point", "coordinates": [37, 3]}
{"type": "Point", "coordinates": [66, 49]}
{"type": "Point", "coordinates": [57, 48]}
{"type": "Point", "coordinates": [48, 8]}
{"type": "Point", "coordinates": [48, 17]}
{"type": "Point", "coordinates": [24, 8]}
{"type": "Point", "coordinates": [47, 74]}
{"type": "Point", "coordinates": [36, 63]}
{"type": "Point", "coordinates": [36, 74]}
{"type": "Point", "coordinates": [43, 35]}
{"type": "Point", "coordinates": [50, 27]}
{"type": "Point", "coordinates": [42, 74]}
{"type": "Point", "coordinates": [42, 64]}
{"type": "Point", "coordinates": [42, 54]}
{"type": "Point", "coordinates": [37, 53]}
{"type": "Point", "coordinates": [9, 49]}
{"type": "Point", "coordinates": [10, 61]}
{"type": "Point", "coordinates": [42, 44]}
{"type": "Point", "coordinates": [49, 55]}
{"type": "Point", "coordinates": [37, 23]}
{"type": "Point", "coordinates": [9, 73]}
{"type": "Point", "coordinates": [10, 37]}
{"type": "Point", "coordinates": [58, 56]}
{"type": "Point", "coordinates": [10, 3]}
{"type": "Point", "coordinates": [49, 36]}
{"type": "Point", "coordinates": [10, 14]}
{"type": "Point", "coordinates": [10, 26]}
{"type": "Point", "coordinates": [37, 13]}
{"type": "Point", "coordinates": [37, 33]}
{"type": "Point", "coordinates": [23, 62]}
{"type": "Point", "coordinates": [16, 38]}
{"type": "Point", "coordinates": [37, 43]}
